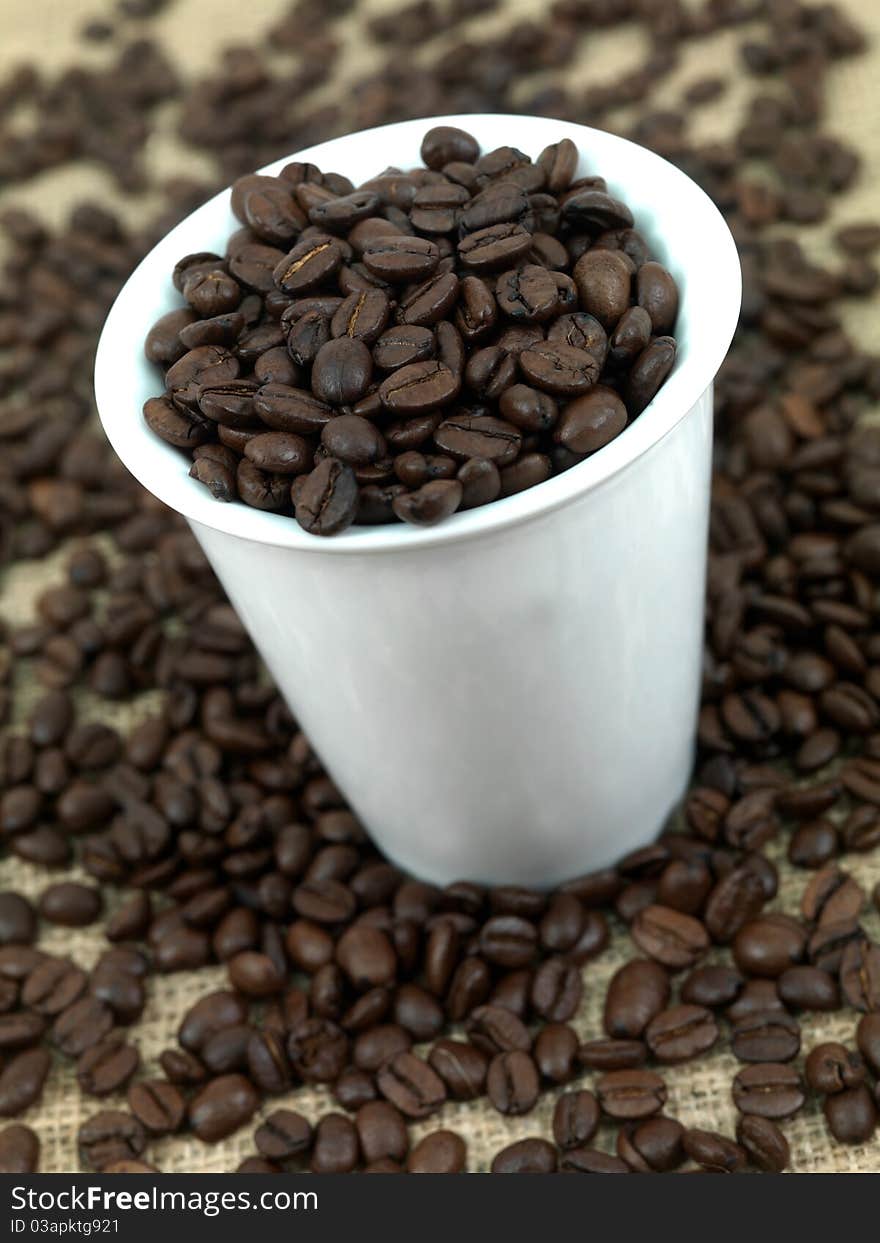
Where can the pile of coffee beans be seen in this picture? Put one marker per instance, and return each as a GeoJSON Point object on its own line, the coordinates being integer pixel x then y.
{"type": "Point", "coordinates": [426, 342]}
{"type": "Point", "coordinates": [208, 833]}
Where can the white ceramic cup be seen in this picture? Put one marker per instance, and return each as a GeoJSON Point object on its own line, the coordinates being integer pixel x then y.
{"type": "Point", "coordinates": [510, 696]}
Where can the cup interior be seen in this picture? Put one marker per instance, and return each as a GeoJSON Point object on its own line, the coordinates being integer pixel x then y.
{"type": "Point", "coordinates": [684, 228]}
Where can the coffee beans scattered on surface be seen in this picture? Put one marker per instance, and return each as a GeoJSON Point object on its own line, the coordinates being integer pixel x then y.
{"type": "Point", "coordinates": [209, 833]}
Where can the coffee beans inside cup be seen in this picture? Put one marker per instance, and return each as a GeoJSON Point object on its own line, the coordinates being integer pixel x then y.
{"type": "Point", "coordinates": [430, 341]}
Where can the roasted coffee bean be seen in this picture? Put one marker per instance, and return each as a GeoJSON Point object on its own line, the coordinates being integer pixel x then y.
{"type": "Point", "coordinates": [70, 904]}
{"type": "Point", "coordinates": [559, 369]}
{"type": "Point", "coordinates": [591, 1161]}
{"type": "Point", "coordinates": [575, 1119]}
{"type": "Point", "coordinates": [410, 1084]}
{"type": "Point", "coordinates": [19, 1150]}
{"type": "Point", "coordinates": [672, 938]}
{"type": "Point", "coordinates": [638, 991]}
{"type": "Point", "coordinates": [831, 1067]}
{"type": "Point", "coordinates": [860, 976]}
{"type": "Point", "coordinates": [612, 1054]}
{"type": "Point", "coordinates": [714, 1152]}
{"type": "Point", "coordinates": [327, 501]}
{"type": "Point", "coordinates": [282, 1135]}
{"type": "Point", "coordinates": [766, 1036]}
{"type": "Point", "coordinates": [526, 1156]}
{"type": "Point", "coordinates": [109, 1137]}
{"type": "Point", "coordinates": [627, 1094]}
{"type": "Point", "coordinates": [851, 1115]}
{"type": "Point", "coordinates": [603, 279]}
{"type": "Point", "coordinates": [335, 1146]}
{"type": "Point", "coordinates": [765, 1145]}
{"type": "Point", "coordinates": [652, 1146]}
{"type": "Point", "coordinates": [81, 1025]}
{"type": "Point", "coordinates": [769, 1090]}
{"type": "Point", "coordinates": [681, 1033]}
{"type": "Point", "coordinates": [868, 1040]}
{"type": "Point", "coordinates": [712, 986]}
{"type": "Point", "coordinates": [591, 421]}
{"type": "Point", "coordinates": [222, 1106]}
{"type": "Point", "coordinates": [21, 1081]}
{"type": "Point", "coordinates": [769, 945]}
{"type": "Point", "coordinates": [157, 1105]}
{"type": "Point", "coordinates": [381, 1132]}
{"type": "Point", "coordinates": [555, 1052]}
{"type": "Point", "coordinates": [809, 988]}
{"type": "Point", "coordinates": [495, 1029]}
{"type": "Point", "coordinates": [107, 1066]}
{"type": "Point", "coordinates": [512, 1083]}
{"type": "Point", "coordinates": [439, 1152]}
{"type": "Point", "coordinates": [462, 1067]}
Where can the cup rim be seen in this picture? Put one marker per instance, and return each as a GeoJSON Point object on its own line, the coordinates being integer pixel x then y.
{"type": "Point", "coordinates": [152, 461]}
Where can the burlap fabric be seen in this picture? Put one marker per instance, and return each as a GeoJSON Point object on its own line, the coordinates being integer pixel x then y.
{"type": "Point", "coordinates": [699, 1093]}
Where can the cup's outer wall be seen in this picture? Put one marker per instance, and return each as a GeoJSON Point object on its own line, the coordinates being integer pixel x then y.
{"type": "Point", "coordinates": [519, 707]}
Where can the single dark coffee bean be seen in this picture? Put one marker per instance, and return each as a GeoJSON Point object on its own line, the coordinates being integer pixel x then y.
{"type": "Point", "coordinates": [769, 945]}
{"type": "Point", "coordinates": [712, 985]}
{"type": "Point", "coordinates": [494, 247]}
{"type": "Point", "coordinates": [22, 1080]}
{"type": "Point", "coordinates": [648, 373]}
{"type": "Point", "coordinates": [809, 988]}
{"type": "Point", "coordinates": [652, 1146]}
{"type": "Point", "coordinates": [400, 259]}
{"type": "Point", "coordinates": [672, 938]}
{"type": "Point", "coordinates": [638, 991]}
{"type": "Point", "coordinates": [559, 369]}
{"type": "Point", "coordinates": [342, 371]}
{"type": "Point", "coordinates": [430, 504]}
{"type": "Point", "coordinates": [283, 1135]}
{"type": "Point", "coordinates": [335, 1146]}
{"type": "Point", "coordinates": [107, 1066]}
{"type": "Point", "coordinates": [318, 1050]}
{"type": "Point", "coordinates": [591, 1161]}
{"type": "Point", "coordinates": [714, 1152]}
{"type": "Point", "coordinates": [109, 1137]}
{"type": "Point", "coordinates": [769, 1090]}
{"type": "Point", "coordinates": [831, 1067]}
{"type": "Point", "coordinates": [496, 1029]}
{"type": "Point", "coordinates": [157, 1105]}
{"type": "Point", "coordinates": [462, 1067]}
{"type": "Point", "coordinates": [18, 920]}
{"type": "Point", "coordinates": [591, 421]}
{"type": "Point", "coordinates": [860, 976]}
{"type": "Point", "coordinates": [764, 1143]}
{"type": "Point", "coordinates": [382, 1132]}
{"type": "Point", "coordinates": [311, 263]}
{"type": "Point", "coordinates": [327, 501]}
{"type": "Point", "coordinates": [851, 1115]}
{"type": "Point", "coordinates": [603, 279]}
{"type": "Point", "coordinates": [627, 1094]}
{"type": "Point", "coordinates": [411, 1084]}
{"type": "Point", "coordinates": [555, 1052]}
{"type": "Point", "coordinates": [70, 904]}
{"type": "Point", "coordinates": [418, 387]}
{"type": "Point", "coordinates": [575, 1119]}
{"type": "Point", "coordinates": [19, 1150]}
{"type": "Point", "coordinates": [445, 144]}
{"type": "Point", "coordinates": [222, 1106]}
{"type": "Point", "coordinates": [612, 1054]}
{"type": "Point", "coordinates": [54, 985]}
{"type": "Point", "coordinates": [512, 1083]}
{"type": "Point", "coordinates": [868, 1040]}
{"type": "Point", "coordinates": [656, 292]}
{"type": "Point", "coordinates": [81, 1025]}
{"type": "Point", "coordinates": [20, 1030]}
{"type": "Point", "coordinates": [439, 1152]}
{"type": "Point", "coordinates": [766, 1036]}
{"type": "Point", "coordinates": [526, 1156]}
{"type": "Point", "coordinates": [680, 1033]}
